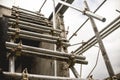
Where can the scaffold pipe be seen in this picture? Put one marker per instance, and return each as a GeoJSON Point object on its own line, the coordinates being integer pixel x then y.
{"type": "Point", "coordinates": [33, 76]}
{"type": "Point", "coordinates": [24, 10]}
{"type": "Point", "coordinates": [41, 50]}
{"type": "Point", "coordinates": [12, 19]}
{"type": "Point", "coordinates": [87, 13]}
{"type": "Point", "coordinates": [103, 33]}
{"type": "Point", "coordinates": [35, 34]}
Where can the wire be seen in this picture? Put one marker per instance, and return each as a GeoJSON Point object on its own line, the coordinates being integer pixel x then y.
{"type": "Point", "coordinates": [77, 44]}
{"type": "Point", "coordinates": [95, 63]}
{"type": "Point", "coordinates": [118, 11]}
{"type": "Point", "coordinates": [42, 6]}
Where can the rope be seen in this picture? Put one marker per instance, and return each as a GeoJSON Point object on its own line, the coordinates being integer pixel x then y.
{"type": "Point", "coordinates": [95, 64]}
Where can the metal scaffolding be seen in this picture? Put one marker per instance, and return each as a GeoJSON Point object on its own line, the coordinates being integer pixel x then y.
{"type": "Point", "coordinates": [25, 24]}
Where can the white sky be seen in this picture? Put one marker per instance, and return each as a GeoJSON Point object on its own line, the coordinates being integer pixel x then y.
{"type": "Point", "coordinates": [74, 19]}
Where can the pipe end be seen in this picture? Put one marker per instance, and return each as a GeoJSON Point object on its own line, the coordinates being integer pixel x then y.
{"type": "Point", "coordinates": [104, 19]}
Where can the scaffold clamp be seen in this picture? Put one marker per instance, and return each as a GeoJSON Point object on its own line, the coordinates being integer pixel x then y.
{"type": "Point", "coordinates": [25, 74]}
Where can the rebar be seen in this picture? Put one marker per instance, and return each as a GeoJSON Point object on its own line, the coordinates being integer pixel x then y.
{"type": "Point", "coordinates": [27, 14]}
{"type": "Point", "coordinates": [32, 18]}
{"type": "Point", "coordinates": [11, 64]}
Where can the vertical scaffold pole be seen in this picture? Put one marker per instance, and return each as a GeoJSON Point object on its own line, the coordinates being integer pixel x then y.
{"type": "Point", "coordinates": [101, 45]}
{"type": "Point", "coordinates": [54, 26]}
{"type": "Point", "coordinates": [12, 63]}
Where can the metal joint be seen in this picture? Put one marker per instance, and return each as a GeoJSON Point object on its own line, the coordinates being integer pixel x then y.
{"type": "Point", "coordinates": [71, 61]}
{"type": "Point", "coordinates": [16, 33]}
{"type": "Point", "coordinates": [59, 42]}
{"type": "Point", "coordinates": [84, 11]}
{"type": "Point", "coordinates": [17, 50]}
{"type": "Point", "coordinates": [16, 13]}
{"type": "Point", "coordinates": [15, 24]}
{"type": "Point", "coordinates": [25, 74]}
{"type": "Point", "coordinates": [52, 32]}
{"type": "Point", "coordinates": [17, 30]}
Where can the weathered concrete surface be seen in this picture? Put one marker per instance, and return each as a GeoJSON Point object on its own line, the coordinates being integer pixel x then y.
{"type": "Point", "coordinates": [4, 10]}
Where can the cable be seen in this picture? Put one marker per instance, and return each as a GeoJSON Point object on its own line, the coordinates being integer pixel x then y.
{"type": "Point", "coordinates": [118, 11]}
{"type": "Point", "coordinates": [42, 6]}
{"type": "Point", "coordinates": [95, 64]}
{"type": "Point", "coordinates": [77, 44]}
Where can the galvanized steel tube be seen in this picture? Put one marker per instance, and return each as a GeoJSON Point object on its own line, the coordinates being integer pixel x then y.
{"type": "Point", "coordinates": [12, 45]}
{"type": "Point", "coordinates": [33, 38]}
{"type": "Point", "coordinates": [87, 13]}
{"type": "Point", "coordinates": [103, 33]}
{"type": "Point", "coordinates": [12, 64]}
{"type": "Point", "coordinates": [36, 34]}
{"type": "Point", "coordinates": [75, 72]}
{"type": "Point", "coordinates": [12, 19]}
{"type": "Point", "coordinates": [33, 76]}
{"type": "Point", "coordinates": [49, 56]}
{"type": "Point", "coordinates": [24, 10]}
{"type": "Point", "coordinates": [35, 29]}
{"type": "Point", "coordinates": [85, 21]}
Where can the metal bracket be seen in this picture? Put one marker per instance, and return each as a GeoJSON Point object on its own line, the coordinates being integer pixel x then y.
{"type": "Point", "coordinates": [15, 24]}
{"type": "Point", "coordinates": [17, 50]}
{"type": "Point", "coordinates": [16, 33]}
{"type": "Point", "coordinates": [59, 43]}
{"type": "Point", "coordinates": [70, 63]}
{"type": "Point", "coordinates": [72, 60]}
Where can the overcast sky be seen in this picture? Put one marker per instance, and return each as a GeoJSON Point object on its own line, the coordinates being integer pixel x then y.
{"type": "Point", "coordinates": [74, 19]}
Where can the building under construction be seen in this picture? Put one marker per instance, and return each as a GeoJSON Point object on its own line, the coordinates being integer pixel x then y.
{"type": "Point", "coordinates": [33, 47]}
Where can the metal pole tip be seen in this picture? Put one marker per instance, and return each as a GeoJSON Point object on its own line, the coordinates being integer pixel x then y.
{"type": "Point", "coordinates": [104, 19]}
